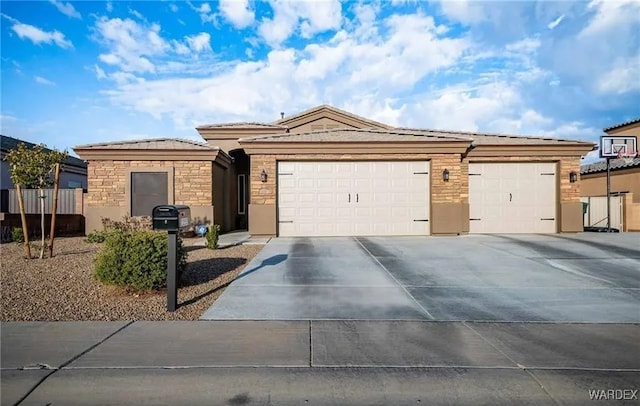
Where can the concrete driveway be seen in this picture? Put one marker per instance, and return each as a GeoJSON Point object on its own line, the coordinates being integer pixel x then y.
{"type": "Point", "coordinates": [586, 277]}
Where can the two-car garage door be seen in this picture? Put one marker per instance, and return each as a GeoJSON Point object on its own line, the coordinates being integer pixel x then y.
{"type": "Point", "coordinates": [512, 198]}
{"type": "Point", "coordinates": [353, 198]}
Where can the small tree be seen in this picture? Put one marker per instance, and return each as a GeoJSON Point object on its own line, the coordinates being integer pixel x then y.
{"type": "Point", "coordinates": [33, 168]}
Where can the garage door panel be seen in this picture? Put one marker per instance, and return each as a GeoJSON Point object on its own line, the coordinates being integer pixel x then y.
{"type": "Point", "coordinates": [287, 198]}
{"type": "Point", "coordinates": [512, 198]}
{"type": "Point", "coordinates": [352, 198]}
{"type": "Point", "coordinates": [343, 184]}
{"type": "Point", "coordinates": [307, 211]}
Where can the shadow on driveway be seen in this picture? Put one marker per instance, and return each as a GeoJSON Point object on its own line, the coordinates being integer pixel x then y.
{"type": "Point", "coordinates": [208, 272]}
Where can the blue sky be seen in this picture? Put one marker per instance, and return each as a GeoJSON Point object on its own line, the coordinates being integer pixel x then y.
{"type": "Point", "coordinates": [82, 72]}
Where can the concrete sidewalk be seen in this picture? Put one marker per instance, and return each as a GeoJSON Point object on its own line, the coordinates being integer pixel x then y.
{"type": "Point", "coordinates": [233, 238]}
{"type": "Point", "coordinates": [315, 362]}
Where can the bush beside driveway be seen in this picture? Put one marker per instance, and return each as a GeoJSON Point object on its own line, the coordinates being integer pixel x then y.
{"type": "Point", "coordinates": [63, 287]}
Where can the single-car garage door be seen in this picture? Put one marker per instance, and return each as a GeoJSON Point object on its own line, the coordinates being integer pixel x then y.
{"type": "Point", "coordinates": [512, 198]}
{"type": "Point", "coordinates": [353, 198]}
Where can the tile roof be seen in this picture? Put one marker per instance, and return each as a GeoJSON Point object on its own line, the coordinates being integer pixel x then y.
{"type": "Point", "coordinates": [355, 135]}
{"type": "Point", "coordinates": [601, 166]}
{"type": "Point", "coordinates": [409, 134]}
{"type": "Point", "coordinates": [626, 123]}
{"type": "Point", "coordinates": [151, 143]}
{"type": "Point", "coordinates": [497, 139]}
{"type": "Point", "coordinates": [10, 143]}
{"type": "Point", "coordinates": [250, 125]}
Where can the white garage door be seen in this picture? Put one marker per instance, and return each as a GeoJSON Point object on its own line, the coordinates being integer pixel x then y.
{"type": "Point", "coordinates": [512, 198]}
{"type": "Point", "coordinates": [353, 198]}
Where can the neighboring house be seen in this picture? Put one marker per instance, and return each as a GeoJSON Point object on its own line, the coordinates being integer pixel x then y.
{"type": "Point", "coordinates": [625, 184]}
{"type": "Point", "coordinates": [73, 173]}
{"type": "Point", "coordinates": [327, 172]}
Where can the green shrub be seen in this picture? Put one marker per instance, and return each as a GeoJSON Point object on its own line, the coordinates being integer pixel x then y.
{"type": "Point", "coordinates": [17, 235]}
{"type": "Point", "coordinates": [212, 236]}
{"type": "Point", "coordinates": [136, 260]}
{"type": "Point", "coordinates": [127, 225]}
{"type": "Point", "coordinates": [98, 236]}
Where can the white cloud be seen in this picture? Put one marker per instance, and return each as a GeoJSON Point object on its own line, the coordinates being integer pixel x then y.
{"type": "Point", "coordinates": [17, 67]}
{"type": "Point", "coordinates": [610, 15]}
{"type": "Point", "coordinates": [205, 12]}
{"type": "Point", "coordinates": [136, 14]}
{"type": "Point", "coordinates": [173, 7]}
{"type": "Point", "coordinates": [180, 48]}
{"type": "Point", "coordinates": [138, 48]}
{"type": "Point", "coordinates": [309, 16]}
{"type": "Point", "coordinates": [199, 43]}
{"type": "Point", "coordinates": [459, 108]}
{"type": "Point", "coordinates": [66, 9]}
{"type": "Point", "coordinates": [110, 59]}
{"type": "Point", "coordinates": [43, 81]}
{"type": "Point", "coordinates": [237, 12]}
{"type": "Point", "coordinates": [553, 24]}
{"type": "Point", "coordinates": [340, 69]}
{"type": "Point", "coordinates": [375, 108]}
{"type": "Point", "coordinates": [7, 118]}
{"type": "Point", "coordinates": [99, 72]}
{"type": "Point", "coordinates": [622, 78]}
{"type": "Point", "coordinates": [130, 44]}
{"type": "Point", "coordinates": [464, 11]}
{"type": "Point", "coordinates": [38, 36]}
{"type": "Point", "coordinates": [602, 53]}
{"type": "Point", "coordinates": [109, 6]}
{"type": "Point", "coordinates": [525, 46]}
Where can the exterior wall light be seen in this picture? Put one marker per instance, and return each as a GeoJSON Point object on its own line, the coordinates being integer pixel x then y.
{"type": "Point", "coordinates": [445, 175]}
{"type": "Point", "coordinates": [263, 176]}
{"type": "Point", "coordinates": [573, 176]}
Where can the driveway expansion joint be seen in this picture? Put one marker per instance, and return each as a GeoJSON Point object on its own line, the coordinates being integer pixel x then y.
{"type": "Point", "coordinates": [426, 312]}
{"type": "Point", "coordinates": [53, 371]}
{"type": "Point", "coordinates": [520, 366]}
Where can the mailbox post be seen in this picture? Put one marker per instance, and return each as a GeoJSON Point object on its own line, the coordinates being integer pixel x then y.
{"type": "Point", "coordinates": [173, 219]}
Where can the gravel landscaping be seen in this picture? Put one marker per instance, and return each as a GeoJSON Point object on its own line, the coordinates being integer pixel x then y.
{"type": "Point", "coordinates": [63, 287]}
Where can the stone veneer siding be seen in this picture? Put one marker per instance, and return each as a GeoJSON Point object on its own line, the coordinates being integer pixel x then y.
{"type": "Point", "coordinates": [107, 181]}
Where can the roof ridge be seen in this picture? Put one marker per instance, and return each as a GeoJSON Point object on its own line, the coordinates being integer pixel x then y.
{"type": "Point", "coordinates": [240, 123]}
{"type": "Point", "coordinates": [336, 109]}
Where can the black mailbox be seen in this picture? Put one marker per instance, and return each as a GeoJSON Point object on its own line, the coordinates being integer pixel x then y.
{"type": "Point", "coordinates": [171, 217]}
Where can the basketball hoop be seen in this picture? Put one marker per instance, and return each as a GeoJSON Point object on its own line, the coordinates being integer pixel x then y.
{"type": "Point", "coordinates": [627, 157]}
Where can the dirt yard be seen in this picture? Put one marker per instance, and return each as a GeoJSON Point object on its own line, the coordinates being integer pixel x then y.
{"type": "Point", "coordinates": [63, 287]}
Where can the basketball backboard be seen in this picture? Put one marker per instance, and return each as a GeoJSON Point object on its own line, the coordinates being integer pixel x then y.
{"type": "Point", "coordinates": [618, 146]}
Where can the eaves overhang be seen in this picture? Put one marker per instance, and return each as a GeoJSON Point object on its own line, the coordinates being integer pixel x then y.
{"type": "Point", "coordinates": [111, 154]}
{"type": "Point", "coordinates": [255, 147]}
{"type": "Point", "coordinates": [523, 150]}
